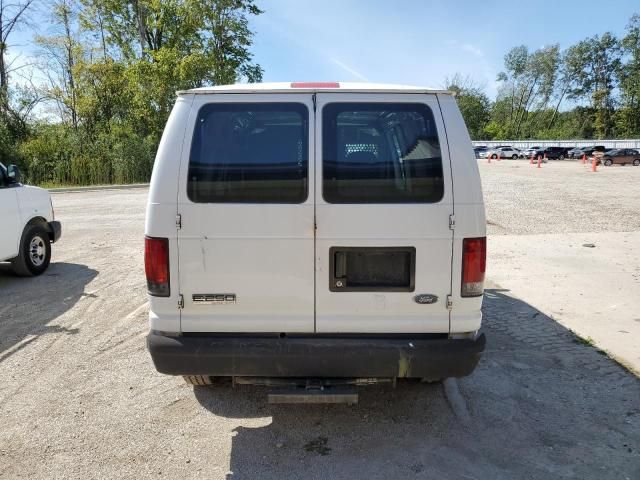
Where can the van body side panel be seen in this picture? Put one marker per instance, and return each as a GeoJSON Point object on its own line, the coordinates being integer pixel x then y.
{"type": "Point", "coordinates": [246, 266]}
{"type": "Point", "coordinates": [12, 223]}
{"type": "Point", "coordinates": [422, 225]}
{"type": "Point", "coordinates": [164, 314]}
{"type": "Point", "coordinates": [466, 314]}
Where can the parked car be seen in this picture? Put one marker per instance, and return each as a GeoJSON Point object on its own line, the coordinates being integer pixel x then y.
{"type": "Point", "coordinates": [555, 153]}
{"type": "Point", "coordinates": [527, 152]}
{"type": "Point", "coordinates": [28, 224]}
{"type": "Point", "coordinates": [277, 263]}
{"type": "Point", "coordinates": [575, 152]}
{"type": "Point", "coordinates": [504, 151]}
{"type": "Point", "coordinates": [479, 150]}
{"type": "Point", "coordinates": [588, 151]}
{"type": "Point", "coordinates": [622, 156]}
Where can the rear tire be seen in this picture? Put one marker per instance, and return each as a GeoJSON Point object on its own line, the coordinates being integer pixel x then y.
{"type": "Point", "coordinates": [514, 157]}
{"type": "Point", "coordinates": [636, 162]}
{"type": "Point", "coordinates": [607, 163]}
{"type": "Point", "coordinates": [494, 156]}
{"type": "Point", "coordinates": [35, 252]}
{"type": "Point", "coordinates": [561, 157]}
{"type": "Point", "coordinates": [198, 379]}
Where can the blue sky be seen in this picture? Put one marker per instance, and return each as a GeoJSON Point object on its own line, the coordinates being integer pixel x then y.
{"type": "Point", "coordinates": [418, 42]}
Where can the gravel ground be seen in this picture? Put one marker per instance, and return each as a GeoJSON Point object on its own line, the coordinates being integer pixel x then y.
{"type": "Point", "coordinates": [561, 197]}
{"type": "Point", "coordinates": [79, 397]}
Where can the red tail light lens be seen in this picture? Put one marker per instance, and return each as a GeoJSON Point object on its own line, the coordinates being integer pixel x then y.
{"type": "Point", "coordinates": [156, 265]}
{"type": "Point", "coordinates": [474, 262]}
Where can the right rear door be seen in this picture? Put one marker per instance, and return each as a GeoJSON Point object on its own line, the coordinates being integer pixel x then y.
{"type": "Point", "coordinates": [383, 205]}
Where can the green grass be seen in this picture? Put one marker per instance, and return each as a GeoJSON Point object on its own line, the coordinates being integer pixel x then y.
{"type": "Point", "coordinates": [585, 341]}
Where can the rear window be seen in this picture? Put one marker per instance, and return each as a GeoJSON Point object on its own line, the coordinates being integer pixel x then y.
{"type": "Point", "coordinates": [249, 153]}
{"type": "Point", "coordinates": [380, 153]}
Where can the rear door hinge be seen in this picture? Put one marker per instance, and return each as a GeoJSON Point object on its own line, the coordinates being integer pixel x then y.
{"type": "Point", "coordinates": [452, 222]}
{"type": "Point", "coordinates": [449, 302]}
{"type": "Point", "coordinates": [178, 221]}
{"type": "Point", "coordinates": [180, 301]}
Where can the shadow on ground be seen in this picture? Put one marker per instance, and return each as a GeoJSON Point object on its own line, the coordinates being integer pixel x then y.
{"type": "Point", "coordinates": [542, 404]}
{"type": "Point", "coordinates": [28, 305]}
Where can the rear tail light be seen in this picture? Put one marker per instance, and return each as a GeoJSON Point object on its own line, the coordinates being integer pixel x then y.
{"type": "Point", "coordinates": [474, 262]}
{"type": "Point", "coordinates": [156, 265]}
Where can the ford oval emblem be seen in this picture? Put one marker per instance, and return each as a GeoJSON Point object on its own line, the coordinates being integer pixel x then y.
{"type": "Point", "coordinates": [425, 299]}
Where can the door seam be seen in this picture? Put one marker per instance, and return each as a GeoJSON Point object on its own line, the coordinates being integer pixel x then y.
{"type": "Point", "coordinates": [315, 218]}
{"type": "Point", "coordinates": [453, 207]}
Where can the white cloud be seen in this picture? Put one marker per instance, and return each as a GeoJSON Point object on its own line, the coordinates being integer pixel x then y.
{"type": "Point", "coordinates": [348, 69]}
{"type": "Point", "coordinates": [475, 50]}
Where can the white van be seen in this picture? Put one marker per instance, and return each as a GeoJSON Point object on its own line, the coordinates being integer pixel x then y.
{"type": "Point", "coordinates": [28, 224]}
{"type": "Point", "coordinates": [315, 231]}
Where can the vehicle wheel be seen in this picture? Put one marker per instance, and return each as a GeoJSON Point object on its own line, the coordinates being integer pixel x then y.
{"type": "Point", "coordinates": [35, 252]}
{"type": "Point", "coordinates": [514, 157]}
{"type": "Point", "coordinates": [607, 163]}
{"type": "Point", "coordinates": [636, 162]}
{"type": "Point", "coordinates": [198, 379]}
{"type": "Point", "coordinates": [561, 157]}
{"type": "Point", "coordinates": [494, 156]}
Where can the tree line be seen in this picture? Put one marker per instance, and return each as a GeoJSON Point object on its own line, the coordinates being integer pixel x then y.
{"type": "Point", "coordinates": [591, 90]}
{"type": "Point", "coordinates": [92, 108]}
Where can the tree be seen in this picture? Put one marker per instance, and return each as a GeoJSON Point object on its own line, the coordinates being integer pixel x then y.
{"type": "Point", "coordinates": [62, 52]}
{"type": "Point", "coordinates": [595, 63]}
{"type": "Point", "coordinates": [12, 16]}
{"type": "Point", "coordinates": [528, 83]}
{"type": "Point", "coordinates": [473, 103]}
{"type": "Point", "coordinates": [174, 45]}
{"type": "Point", "coordinates": [629, 76]}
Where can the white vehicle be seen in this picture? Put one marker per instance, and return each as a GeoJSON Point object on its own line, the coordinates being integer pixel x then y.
{"type": "Point", "coordinates": [28, 224]}
{"type": "Point", "coordinates": [315, 231]}
{"type": "Point", "coordinates": [504, 152]}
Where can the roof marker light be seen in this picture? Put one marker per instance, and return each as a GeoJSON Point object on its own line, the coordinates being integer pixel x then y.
{"type": "Point", "coordinates": [315, 85]}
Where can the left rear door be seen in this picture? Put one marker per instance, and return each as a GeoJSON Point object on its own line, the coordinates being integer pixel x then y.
{"type": "Point", "coordinates": [246, 244]}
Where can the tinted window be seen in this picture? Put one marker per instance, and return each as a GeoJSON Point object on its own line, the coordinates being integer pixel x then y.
{"type": "Point", "coordinates": [380, 153]}
{"type": "Point", "coordinates": [249, 153]}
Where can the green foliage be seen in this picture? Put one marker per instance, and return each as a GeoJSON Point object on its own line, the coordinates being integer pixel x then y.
{"type": "Point", "coordinates": [473, 103]}
{"type": "Point", "coordinates": [113, 69]}
{"type": "Point", "coordinates": [600, 75]}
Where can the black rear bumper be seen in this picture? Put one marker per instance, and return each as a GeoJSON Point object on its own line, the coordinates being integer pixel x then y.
{"type": "Point", "coordinates": [315, 356]}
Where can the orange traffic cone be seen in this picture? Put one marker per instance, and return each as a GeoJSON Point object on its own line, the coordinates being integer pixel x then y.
{"type": "Point", "coordinates": [584, 158]}
{"type": "Point", "coordinates": [489, 157]}
{"type": "Point", "coordinates": [531, 160]}
{"type": "Point", "coordinates": [594, 165]}
{"type": "Point", "coordinates": [539, 161]}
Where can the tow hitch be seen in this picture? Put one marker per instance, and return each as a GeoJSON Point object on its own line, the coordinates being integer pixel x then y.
{"type": "Point", "coordinates": [311, 390]}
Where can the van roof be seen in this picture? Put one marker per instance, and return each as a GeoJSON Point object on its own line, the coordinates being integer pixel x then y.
{"type": "Point", "coordinates": [298, 87]}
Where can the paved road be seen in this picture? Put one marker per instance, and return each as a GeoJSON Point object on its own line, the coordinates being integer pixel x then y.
{"type": "Point", "coordinates": [80, 399]}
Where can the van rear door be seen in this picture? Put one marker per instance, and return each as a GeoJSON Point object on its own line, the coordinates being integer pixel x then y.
{"type": "Point", "coordinates": [246, 242]}
{"type": "Point", "coordinates": [383, 205]}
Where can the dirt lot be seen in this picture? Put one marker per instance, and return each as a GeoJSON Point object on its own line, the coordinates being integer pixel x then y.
{"type": "Point", "coordinates": [566, 240]}
{"type": "Point", "coordinates": [561, 197]}
{"type": "Point", "coordinates": [79, 397]}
